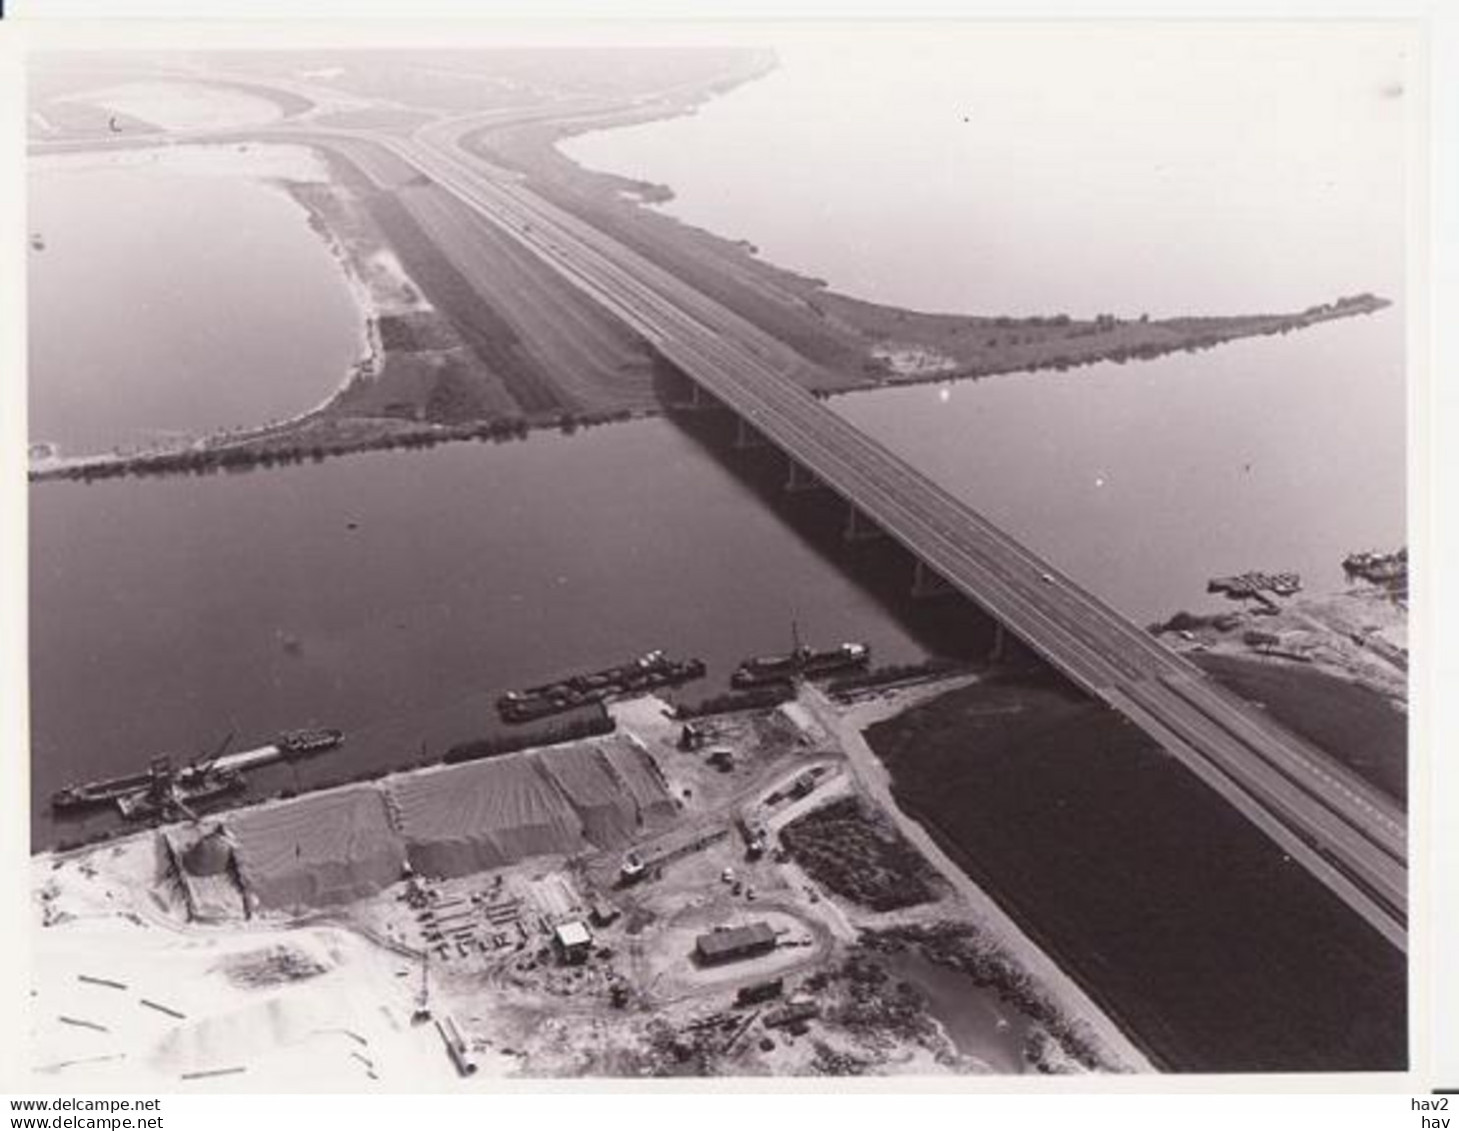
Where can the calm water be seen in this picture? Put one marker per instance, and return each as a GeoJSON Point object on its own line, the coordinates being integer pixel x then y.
{"type": "Point", "coordinates": [167, 614]}
{"type": "Point", "coordinates": [1144, 481]}
{"type": "Point", "coordinates": [1030, 170]}
{"type": "Point", "coordinates": [168, 304]}
{"type": "Point", "coordinates": [1003, 170]}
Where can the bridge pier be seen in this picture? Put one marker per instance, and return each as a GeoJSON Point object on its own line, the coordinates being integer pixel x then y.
{"type": "Point", "coordinates": [999, 651]}
{"type": "Point", "coordinates": [698, 400]}
{"type": "Point", "coordinates": [747, 435]}
{"type": "Point", "coordinates": [927, 582]}
{"type": "Point", "coordinates": [799, 479]}
{"type": "Point", "coordinates": [858, 527]}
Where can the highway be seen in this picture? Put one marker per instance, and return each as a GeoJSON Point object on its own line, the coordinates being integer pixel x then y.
{"type": "Point", "coordinates": [1325, 818]}
{"type": "Point", "coordinates": [1346, 833]}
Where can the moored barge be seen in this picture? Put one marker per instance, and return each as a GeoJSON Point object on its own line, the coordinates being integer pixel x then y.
{"type": "Point", "coordinates": [649, 671]}
{"type": "Point", "coordinates": [800, 662]}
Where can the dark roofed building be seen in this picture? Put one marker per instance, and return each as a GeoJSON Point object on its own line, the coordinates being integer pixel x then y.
{"type": "Point", "coordinates": [735, 943]}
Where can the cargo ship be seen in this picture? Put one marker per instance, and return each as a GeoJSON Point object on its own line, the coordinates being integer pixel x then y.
{"type": "Point", "coordinates": [649, 671]}
{"type": "Point", "coordinates": [100, 794]}
{"type": "Point", "coordinates": [800, 662]}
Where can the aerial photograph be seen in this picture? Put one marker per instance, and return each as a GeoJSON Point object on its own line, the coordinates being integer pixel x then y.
{"type": "Point", "coordinates": [792, 551]}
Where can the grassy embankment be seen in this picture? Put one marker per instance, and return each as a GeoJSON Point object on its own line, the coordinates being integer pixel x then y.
{"type": "Point", "coordinates": [1189, 926]}
{"type": "Point", "coordinates": [1355, 724]}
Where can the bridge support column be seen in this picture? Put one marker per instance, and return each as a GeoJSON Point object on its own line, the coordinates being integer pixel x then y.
{"type": "Point", "coordinates": [799, 479]}
{"type": "Point", "coordinates": [927, 582]}
{"type": "Point", "coordinates": [698, 400]}
{"type": "Point", "coordinates": [858, 527]}
{"type": "Point", "coordinates": [747, 435]}
{"type": "Point", "coordinates": [999, 650]}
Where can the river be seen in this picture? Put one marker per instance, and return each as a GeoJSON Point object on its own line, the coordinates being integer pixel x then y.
{"type": "Point", "coordinates": [394, 594]}
{"type": "Point", "coordinates": [168, 614]}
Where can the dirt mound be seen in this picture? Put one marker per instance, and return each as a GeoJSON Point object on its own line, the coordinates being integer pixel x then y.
{"type": "Point", "coordinates": [271, 966]}
{"type": "Point", "coordinates": [322, 849]}
{"type": "Point", "coordinates": [483, 815]}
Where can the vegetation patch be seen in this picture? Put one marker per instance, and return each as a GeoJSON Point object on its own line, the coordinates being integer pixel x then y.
{"type": "Point", "coordinates": [1175, 913]}
{"type": "Point", "coordinates": [850, 850]}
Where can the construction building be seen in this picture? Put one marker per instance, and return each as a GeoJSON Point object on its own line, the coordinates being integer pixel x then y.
{"type": "Point", "coordinates": [732, 944]}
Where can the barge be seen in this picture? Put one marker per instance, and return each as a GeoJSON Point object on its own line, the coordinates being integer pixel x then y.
{"type": "Point", "coordinates": [315, 740]}
{"type": "Point", "coordinates": [800, 662]}
{"type": "Point", "coordinates": [649, 671]}
{"type": "Point", "coordinates": [199, 782]}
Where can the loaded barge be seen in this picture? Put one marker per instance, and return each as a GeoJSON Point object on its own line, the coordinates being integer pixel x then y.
{"type": "Point", "coordinates": [162, 785]}
{"type": "Point", "coordinates": [800, 662]}
{"type": "Point", "coordinates": [649, 671]}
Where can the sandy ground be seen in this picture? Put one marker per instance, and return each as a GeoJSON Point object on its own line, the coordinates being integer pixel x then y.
{"type": "Point", "coordinates": [1360, 635]}
{"type": "Point", "coordinates": [253, 160]}
{"type": "Point", "coordinates": [182, 105]}
{"type": "Point", "coordinates": [294, 1007]}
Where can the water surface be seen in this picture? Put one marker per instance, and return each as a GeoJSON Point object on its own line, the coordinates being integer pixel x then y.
{"type": "Point", "coordinates": [168, 303]}
{"type": "Point", "coordinates": [168, 614]}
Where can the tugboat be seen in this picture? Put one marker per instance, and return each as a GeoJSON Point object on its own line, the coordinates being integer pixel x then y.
{"type": "Point", "coordinates": [801, 662]}
{"type": "Point", "coordinates": [651, 670]}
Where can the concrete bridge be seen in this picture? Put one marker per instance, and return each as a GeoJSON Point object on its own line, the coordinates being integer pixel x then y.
{"type": "Point", "coordinates": [1350, 836]}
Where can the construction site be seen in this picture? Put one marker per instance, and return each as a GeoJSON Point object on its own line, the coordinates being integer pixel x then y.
{"type": "Point", "coordinates": [730, 896]}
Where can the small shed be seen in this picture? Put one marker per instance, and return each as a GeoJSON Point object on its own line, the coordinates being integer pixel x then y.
{"type": "Point", "coordinates": [574, 942]}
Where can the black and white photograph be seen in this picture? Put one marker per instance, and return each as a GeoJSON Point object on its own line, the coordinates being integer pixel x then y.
{"type": "Point", "coordinates": [751, 550]}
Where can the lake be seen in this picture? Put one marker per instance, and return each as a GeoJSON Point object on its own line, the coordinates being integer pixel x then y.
{"type": "Point", "coordinates": [178, 294]}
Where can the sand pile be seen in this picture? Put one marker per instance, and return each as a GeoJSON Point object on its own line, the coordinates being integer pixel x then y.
{"type": "Point", "coordinates": [239, 1036]}
{"type": "Point", "coordinates": [608, 813]}
{"type": "Point", "coordinates": [321, 849]}
{"type": "Point", "coordinates": [205, 870]}
{"type": "Point", "coordinates": [470, 818]}
{"type": "Point", "coordinates": [641, 780]}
